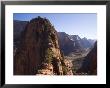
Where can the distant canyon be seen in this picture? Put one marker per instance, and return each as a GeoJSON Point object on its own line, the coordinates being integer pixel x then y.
{"type": "Point", "coordinates": [40, 50]}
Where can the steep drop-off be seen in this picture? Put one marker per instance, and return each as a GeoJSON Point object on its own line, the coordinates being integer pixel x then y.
{"type": "Point", "coordinates": [69, 43]}
{"type": "Point", "coordinates": [38, 51]}
{"type": "Point", "coordinates": [89, 65]}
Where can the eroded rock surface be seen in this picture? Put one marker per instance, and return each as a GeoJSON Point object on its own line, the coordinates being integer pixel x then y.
{"type": "Point", "coordinates": [38, 51]}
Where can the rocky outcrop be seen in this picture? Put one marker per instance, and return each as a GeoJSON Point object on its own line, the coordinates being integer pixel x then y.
{"type": "Point", "coordinates": [38, 51]}
{"type": "Point", "coordinates": [68, 67]}
{"type": "Point", "coordinates": [47, 69]}
{"type": "Point", "coordinates": [89, 65]}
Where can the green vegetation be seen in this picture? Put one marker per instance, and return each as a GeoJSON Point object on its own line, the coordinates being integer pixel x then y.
{"type": "Point", "coordinates": [65, 70]}
{"type": "Point", "coordinates": [49, 39]}
{"type": "Point", "coordinates": [62, 55]}
{"type": "Point", "coordinates": [49, 55]}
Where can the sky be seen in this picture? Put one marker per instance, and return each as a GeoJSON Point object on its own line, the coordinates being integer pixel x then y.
{"type": "Point", "coordinates": [82, 24]}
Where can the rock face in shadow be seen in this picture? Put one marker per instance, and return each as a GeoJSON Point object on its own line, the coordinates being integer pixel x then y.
{"type": "Point", "coordinates": [90, 63]}
{"type": "Point", "coordinates": [69, 43]}
{"type": "Point", "coordinates": [86, 43]}
{"type": "Point", "coordinates": [19, 26]}
{"type": "Point", "coordinates": [38, 51]}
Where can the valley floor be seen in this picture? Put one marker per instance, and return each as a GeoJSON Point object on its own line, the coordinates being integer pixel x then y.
{"type": "Point", "coordinates": [77, 61]}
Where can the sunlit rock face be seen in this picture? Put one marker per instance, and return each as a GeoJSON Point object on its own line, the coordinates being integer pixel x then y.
{"type": "Point", "coordinates": [38, 51]}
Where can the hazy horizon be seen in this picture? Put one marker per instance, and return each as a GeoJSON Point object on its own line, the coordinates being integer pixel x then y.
{"type": "Point", "coordinates": [82, 24]}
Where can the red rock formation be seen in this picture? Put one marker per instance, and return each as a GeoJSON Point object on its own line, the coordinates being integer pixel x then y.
{"type": "Point", "coordinates": [68, 65]}
{"type": "Point", "coordinates": [39, 51]}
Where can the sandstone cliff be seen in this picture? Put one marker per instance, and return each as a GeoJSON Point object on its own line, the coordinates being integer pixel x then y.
{"type": "Point", "coordinates": [38, 51]}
